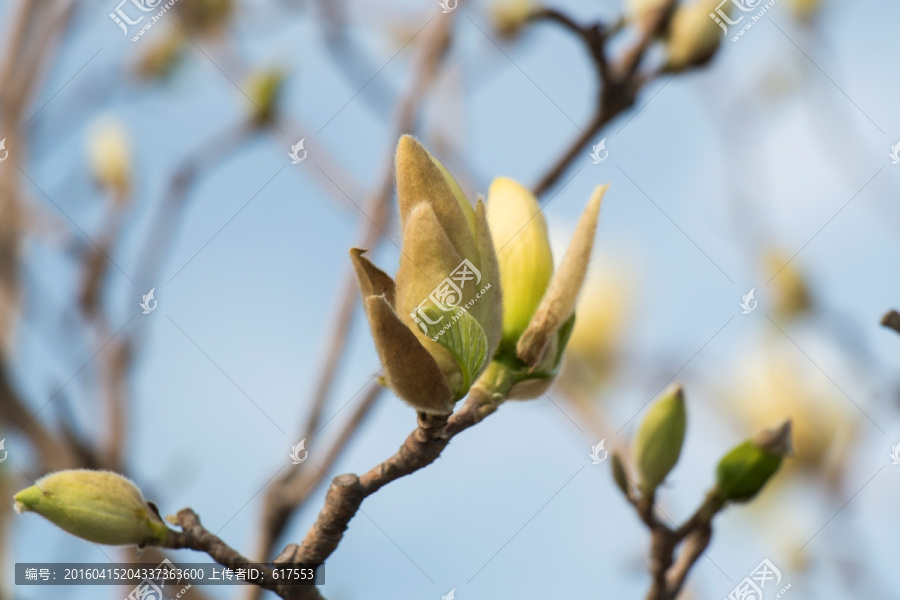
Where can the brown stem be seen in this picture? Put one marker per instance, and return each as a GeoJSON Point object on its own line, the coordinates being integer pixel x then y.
{"type": "Point", "coordinates": [619, 82]}
{"type": "Point", "coordinates": [420, 449]}
{"type": "Point", "coordinates": [891, 320]}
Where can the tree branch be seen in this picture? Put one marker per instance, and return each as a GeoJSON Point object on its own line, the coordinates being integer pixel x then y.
{"type": "Point", "coordinates": [420, 449]}
{"type": "Point", "coordinates": [618, 83]}
{"type": "Point", "coordinates": [891, 320]}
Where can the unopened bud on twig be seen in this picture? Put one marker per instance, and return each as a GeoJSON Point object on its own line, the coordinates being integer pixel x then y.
{"type": "Point", "coordinates": [109, 153]}
{"type": "Point", "coordinates": [98, 506]}
{"type": "Point", "coordinates": [659, 439]}
{"type": "Point", "coordinates": [438, 326]}
{"type": "Point", "coordinates": [743, 472]}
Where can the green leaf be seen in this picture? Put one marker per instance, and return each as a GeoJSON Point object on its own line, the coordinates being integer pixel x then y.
{"type": "Point", "coordinates": [464, 337]}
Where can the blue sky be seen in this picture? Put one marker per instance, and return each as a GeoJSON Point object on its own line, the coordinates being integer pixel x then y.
{"type": "Point", "coordinates": [782, 141]}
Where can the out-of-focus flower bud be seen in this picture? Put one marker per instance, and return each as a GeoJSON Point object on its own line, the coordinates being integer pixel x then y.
{"type": "Point", "coordinates": [603, 311]}
{"type": "Point", "coordinates": [540, 344]}
{"type": "Point", "coordinates": [658, 442]}
{"type": "Point", "coordinates": [262, 89]}
{"type": "Point", "coordinates": [743, 472]}
{"type": "Point", "coordinates": [109, 154]}
{"type": "Point", "coordinates": [805, 10]}
{"type": "Point", "coordinates": [439, 325]}
{"type": "Point", "coordinates": [162, 56]}
{"type": "Point", "coordinates": [774, 381]}
{"type": "Point", "coordinates": [523, 251]}
{"type": "Point", "coordinates": [98, 506]}
{"type": "Point", "coordinates": [206, 17]}
{"type": "Point", "coordinates": [693, 37]}
{"type": "Point", "coordinates": [509, 16]}
{"type": "Point", "coordinates": [791, 297]}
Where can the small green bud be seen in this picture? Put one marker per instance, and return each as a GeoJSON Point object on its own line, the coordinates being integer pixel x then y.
{"type": "Point", "coordinates": [743, 472]}
{"type": "Point", "coordinates": [263, 91]}
{"type": "Point", "coordinates": [98, 506]}
{"type": "Point", "coordinates": [658, 442]}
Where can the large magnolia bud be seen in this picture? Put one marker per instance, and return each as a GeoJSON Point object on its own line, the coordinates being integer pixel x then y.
{"type": "Point", "coordinates": [98, 506]}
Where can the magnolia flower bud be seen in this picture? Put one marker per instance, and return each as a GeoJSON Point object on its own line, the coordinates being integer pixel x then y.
{"type": "Point", "coordinates": [791, 296]}
{"type": "Point", "coordinates": [805, 10]}
{"type": "Point", "coordinates": [743, 472]}
{"type": "Point", "coordinates": [693, 36]}
{"type": "Point", "coordinates": [509, 16]}
{"type": "Point", "coordinates": [162, 56]}
{"type": "Point", "coordinates": [109, 153]}
{"type": "Point", "coordinates": [207, 17]}
{"type": "Point", "coordinates": [603, 314]}
{"type": "Point", "coordinates": [98, 506]}
{"type": "Point", "coordinates": [523, 251]}
{"type": "Point", "coordinates": [437, 327]}
{"type": "Point", "coordinates": [658, 442]}
{"type": "Point", "coordinates": [262, 88]}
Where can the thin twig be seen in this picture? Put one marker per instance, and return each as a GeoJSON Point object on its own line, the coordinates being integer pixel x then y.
{"type": "Point", "coordinates": [891, 320]}
{"type": "Point", "coordinates": [619, 82]}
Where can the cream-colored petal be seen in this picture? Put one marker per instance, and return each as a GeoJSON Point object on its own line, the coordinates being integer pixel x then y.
{"type": "Point", "coordinates": [409, 369]}
{"type": "Point", "coordinates": [559, 301]}
{"type": "Point", "coordinates": [523, 250]}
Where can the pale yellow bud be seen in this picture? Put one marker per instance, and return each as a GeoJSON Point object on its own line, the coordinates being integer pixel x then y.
{"type": "Point", "coordinates": [523, 251]}
{"type": "Point", "coordinates": [790, 293]}
{"type": "Point", "coordinates": [98, 506]}
{"type": "Point", "coordinates": [805, 10]}
{"type": "Point", "coordinates": [602, 315]}
{"type": "Point", "coordinates": [774, 381]}
{"type": "Point", "coordinates": [109, 154]}
{"type": "Point", "coordinates": [693, 36]}
{"type": "Point", "coordinates": [509, 16]}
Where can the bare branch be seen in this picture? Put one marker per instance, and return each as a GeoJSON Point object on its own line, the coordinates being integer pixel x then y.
{"type": "Point", "coordinates": [891, 320]}
{"type": "Point", "coordinates": [619, 82]}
